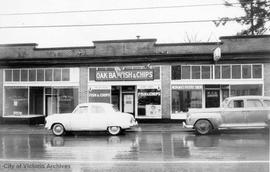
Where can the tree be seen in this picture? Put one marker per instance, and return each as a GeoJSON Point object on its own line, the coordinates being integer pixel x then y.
{"type": "Point", "coordinates": [257, 14]}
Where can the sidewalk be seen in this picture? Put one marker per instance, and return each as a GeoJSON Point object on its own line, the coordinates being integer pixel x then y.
{"type": "Point", "coordinates": [39, 129]}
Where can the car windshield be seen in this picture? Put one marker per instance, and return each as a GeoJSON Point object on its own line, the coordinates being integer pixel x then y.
{"type": "Point", "coordinates": [81, 109]}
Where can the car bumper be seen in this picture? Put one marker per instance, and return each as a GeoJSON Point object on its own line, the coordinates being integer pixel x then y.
{"type": "Point", "coordinates": [134, 125]}
{"type": "Point", "coordinates": [187, 126]}
{"type": "Point", "coordinates": [47, 126]}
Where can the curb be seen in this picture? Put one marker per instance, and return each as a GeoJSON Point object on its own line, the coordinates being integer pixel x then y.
{"type": "Point", "coordinates": [39, 129]}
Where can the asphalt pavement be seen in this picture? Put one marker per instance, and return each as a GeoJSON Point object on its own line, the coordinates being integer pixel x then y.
{"type": "Point", "coordinates": [39, 129]}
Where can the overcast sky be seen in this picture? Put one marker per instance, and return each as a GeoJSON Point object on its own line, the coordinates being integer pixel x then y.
{"type": "Point", "coordinates": [83, 36]}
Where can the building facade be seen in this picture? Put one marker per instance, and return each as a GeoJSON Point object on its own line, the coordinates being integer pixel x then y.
{"type": "Point", "coordinates": [149, 80]}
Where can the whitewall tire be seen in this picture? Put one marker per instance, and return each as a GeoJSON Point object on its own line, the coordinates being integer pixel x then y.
{"type": "Point", "coordinates": [114, 130]}
{"type": "Point", "coordinates": [58, 129]}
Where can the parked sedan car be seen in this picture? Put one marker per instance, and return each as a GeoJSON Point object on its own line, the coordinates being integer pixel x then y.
{"type": "Point", "coordinates": [91, 117]}
{"type": "Point", "coordinates": [236, 112]}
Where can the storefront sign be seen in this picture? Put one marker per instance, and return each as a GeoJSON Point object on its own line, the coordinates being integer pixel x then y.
{"type": "Point", "coordinates": [148, 93]}
{"type": "Point", "coordinates": [217, 54]}
{"type": "Point", "coordinates": [97, 94]}
{"type": "Point", "coordinates": [186, 87]}
{"type": "Point", "coordinates": [125, 75]}
{"type": "Point", "coordinates": [150, 86]}
{"type": "Point", "coordinates": [212, 93]}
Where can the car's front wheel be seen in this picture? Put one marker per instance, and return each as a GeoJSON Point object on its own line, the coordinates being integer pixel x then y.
{"type": "Point", "coordinates": [203, 126]}
{"type": "Point", "coordinates": [114, 130]}
{"type": "Point", "coordinates": [58, 129]}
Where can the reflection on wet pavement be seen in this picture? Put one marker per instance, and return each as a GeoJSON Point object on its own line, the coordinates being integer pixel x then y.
{"type": "Point", "coordinates": [138, 146]}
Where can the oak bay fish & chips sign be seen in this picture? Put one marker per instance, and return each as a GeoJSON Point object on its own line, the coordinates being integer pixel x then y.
{"type": "Point", "coordinates": [125, 75]}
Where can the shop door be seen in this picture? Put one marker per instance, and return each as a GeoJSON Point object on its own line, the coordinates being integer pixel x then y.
{"type": "Point", "coordinates": [128, 103]}
{"type": "Point", "coordinates": [51, 104]}
{"type": "Point", "coordinates": [212, 98]}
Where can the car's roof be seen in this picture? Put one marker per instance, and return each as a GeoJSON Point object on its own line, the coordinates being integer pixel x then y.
{"type": "Point", "coordinates": [249, 97]}
{"type": "Point", "coordinates": [96, 103]}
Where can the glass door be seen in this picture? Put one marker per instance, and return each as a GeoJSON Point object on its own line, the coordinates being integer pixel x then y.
{"type": "Point", "coordinates": [51, 101]}
{"type": "Point", "coordinates": [212, 98]}
{"type": "Point", "coordinates": [129, 103]}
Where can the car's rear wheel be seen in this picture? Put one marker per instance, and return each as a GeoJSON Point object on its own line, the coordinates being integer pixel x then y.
{"type": "Point", "coordinates": [58, 129]}
{"type": "Point", "coordinates": [203, 127]}
{"type": "Point", "coordinates": [114, 130]}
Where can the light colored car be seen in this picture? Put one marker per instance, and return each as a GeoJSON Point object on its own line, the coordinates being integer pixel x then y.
{"type": "Point", "coordinates": [91, 117]}
{"type": "Point", "coordinates": [236, 112]}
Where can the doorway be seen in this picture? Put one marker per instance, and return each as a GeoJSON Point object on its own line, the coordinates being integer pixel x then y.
{"type": "Point", "coordinates": [36, 100]}
{"type": "Point", "coordinates": [123, 98]}
{"type": "Point", "coordinates": [128, 103]}
{"type": "Point", "coordinates": [51, 104]}
{"type": "Point", "coordinates": [212, 98]}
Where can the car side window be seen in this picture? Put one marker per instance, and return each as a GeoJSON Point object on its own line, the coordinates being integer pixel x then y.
{"type": "Point", "coordinates": [236, 104]}
{"type": "Point", "coordinates": [81, 110]}
{"type": "Point", "coordinates": [267, 103]}
{"type": "Point", "coordinates": [97, 109]}
{"type": "Point", "coordinates": [254, 103]}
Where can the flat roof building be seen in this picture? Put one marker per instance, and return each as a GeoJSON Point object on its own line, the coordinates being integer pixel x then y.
{"type": "Point", "coordinates": [150, 80]}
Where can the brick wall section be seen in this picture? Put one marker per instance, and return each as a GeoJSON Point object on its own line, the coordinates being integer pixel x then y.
{"type": "Point", "coordinates": [83, 85]}
{"type": "Point", "coordinates": [1, 92]}
{"type": "Point", "coordinates": [266, 79]}
{"type": "Point", "coordinates": [166, 91]}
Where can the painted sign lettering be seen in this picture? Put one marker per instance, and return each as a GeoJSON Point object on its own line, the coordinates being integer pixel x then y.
{"type": "Point", "coordinates": [125, 75]}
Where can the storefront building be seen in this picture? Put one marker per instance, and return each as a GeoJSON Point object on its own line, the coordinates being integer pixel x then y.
{"type": "Point", "coordinates": [149, 80]}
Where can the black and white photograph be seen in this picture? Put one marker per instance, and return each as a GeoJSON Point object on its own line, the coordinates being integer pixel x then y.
{"type": "Point", "coordinates": [134, 85]}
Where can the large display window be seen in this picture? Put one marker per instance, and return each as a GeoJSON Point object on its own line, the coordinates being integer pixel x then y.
{"type": "Point", "coordinates": [60, 100]}
{"type": "Point", "coordinates": [185, 97]}
{"type": "Point", "coordinates": [16, 101]}
{"type": "Point", "coordinates": [149, 102]}
{"type": "Point", "coordinates": [244, 90]}
{"type": "Point", "coordinates": [23, 101]}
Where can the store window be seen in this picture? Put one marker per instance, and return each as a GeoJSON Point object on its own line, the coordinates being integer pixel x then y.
{"type": "Point", "coordinates": [32, 75]}
{"type": "Point", "coordinates": [185, 72]}
{"type": "Point", "coordinates": [182, 100]}
{"type": "Point", "coordinates": [8, 75]}
{"type": "Point", "coordinates": [24, 75]}
{"type": "Point", "coordinates": [246, 71]}
{"type": "Point", "coordinates": [149, 102]}
{"type": "Point", "coordinates": [217, 72]}
{"type": "Point", "coordinates": [196, 72]}
{"type": "Point", "coordinates": [40, 75]}
{"type": "Point", "coordinates": [236, 71]}
{"type": "Point", "coordinates": [226, 72]}
{"type": "Point", "coordinates": [16, 75]}
{"type": "Point", "coordinates": [68, 99]}
{"type": "Point", "coordinates": [65, 74]}
{"type": "Point", "coordinates": [257, 71]}
{"type": "Point", "coordinates": [206, 72]}
{"type": "Point", "coordinates": [176, 72]}
{"type": "Point", "coordinates": [16, 101]}
{"type": "Point", "coordinates": [57, 74]}
{"type": "Point", "coordinates": [244, 90]}
{"type": "Point", "coordinates": [48, 74]}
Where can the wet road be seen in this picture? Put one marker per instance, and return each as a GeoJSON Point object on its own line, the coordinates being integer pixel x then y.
{"type": "Point", "coordinates": [136, 151]}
